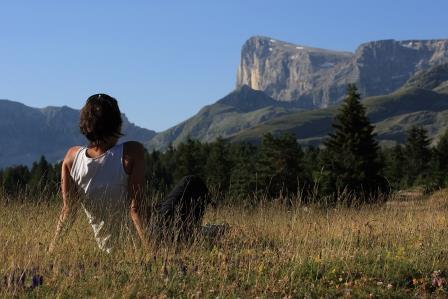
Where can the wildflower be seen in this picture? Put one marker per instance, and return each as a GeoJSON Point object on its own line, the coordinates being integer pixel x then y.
{"type": "Point", "coordinates": [38, 280]}
{"type": "Point", "coordinates": [438, 279]}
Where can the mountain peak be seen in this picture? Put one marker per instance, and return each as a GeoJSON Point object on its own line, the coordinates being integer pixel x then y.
{"type": "Point", "coordinates": [316, 78]}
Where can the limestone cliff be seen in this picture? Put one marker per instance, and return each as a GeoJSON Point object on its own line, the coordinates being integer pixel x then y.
{"type": "Point", "coordinates": [313, 77]}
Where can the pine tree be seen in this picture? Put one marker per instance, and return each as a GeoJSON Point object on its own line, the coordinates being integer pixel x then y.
{"type": "Point", "coordinates": [311, 162]}
{"type": "Point", "coordinates": [158, 179]}
{"type": "Point", "coordinates": [218, 166]}
{"type": "Point", "coordinates": [351, 162]}
{"type": "Point", "coordinates": [39, 175]}
{"type": "Point", "coordinates": [394, 171]}
{"type": "Point", "coordinates": [243, 178]}
{"type": "Point", "coordinates": [190, 159]}
{"type": "Point", "coordinates": [280, 167]}
{"type": "Point", "coordinates": [441, 161]}
{"type": "Point", "coordinates": [168, 161]}
{"type": "Point", "coordinates": [1, 181]}
{"type": "Point", "coordinates": [15, 179]}
{"type": "Point", "coordinates": [418, 156]}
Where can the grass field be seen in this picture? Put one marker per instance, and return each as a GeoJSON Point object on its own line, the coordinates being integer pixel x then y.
{"type": "Point", "coordinates": [397, 249]}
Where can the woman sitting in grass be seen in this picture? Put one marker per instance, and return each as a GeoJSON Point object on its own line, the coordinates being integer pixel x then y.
{"type": "Point", "coordinates": [106, 179]}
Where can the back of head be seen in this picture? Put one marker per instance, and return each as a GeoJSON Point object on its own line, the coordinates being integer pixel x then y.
{"type": "Point", "coordinates": [100, 119]}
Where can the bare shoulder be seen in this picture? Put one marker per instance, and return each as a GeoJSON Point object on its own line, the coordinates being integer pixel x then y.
{"type": "Point", "coordinates": [70, 156]}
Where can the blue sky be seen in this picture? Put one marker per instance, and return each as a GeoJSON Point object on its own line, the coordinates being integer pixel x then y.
{"type": "Point", "coordinates": [164, 60]}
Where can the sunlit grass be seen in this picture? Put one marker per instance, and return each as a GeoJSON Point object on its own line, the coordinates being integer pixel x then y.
{"type": "Point", "coordinates": [272, 250]}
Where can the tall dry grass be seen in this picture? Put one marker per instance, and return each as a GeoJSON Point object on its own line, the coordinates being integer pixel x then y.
{"type": "Point", "coordinates": [272, 250]}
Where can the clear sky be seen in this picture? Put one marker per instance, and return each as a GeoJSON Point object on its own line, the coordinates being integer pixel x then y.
{"type": "Point", "coordinates": [164, 60]}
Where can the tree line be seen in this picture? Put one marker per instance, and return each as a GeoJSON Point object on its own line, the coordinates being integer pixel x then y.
{"type": "Point", "coordinates": [350, 164]}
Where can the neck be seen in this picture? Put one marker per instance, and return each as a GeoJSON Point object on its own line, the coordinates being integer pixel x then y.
{"type": "Point", "coordinates": [103, 146]}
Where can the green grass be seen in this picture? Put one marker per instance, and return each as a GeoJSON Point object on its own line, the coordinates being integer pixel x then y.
{"type": "Point", "coordinates": [388, 250]}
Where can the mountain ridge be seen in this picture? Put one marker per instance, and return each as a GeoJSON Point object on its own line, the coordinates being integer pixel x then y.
{"type": "Point", "coordinates": [392, 115]}
{"type": "Point", "coordinates": [26, 132]}
{"type": "Point", "coordinates": [316, 78]}
{"type": "Point", "coordinates": [241, 108]}
{"type": "Point", "coordinates": [336, 69]}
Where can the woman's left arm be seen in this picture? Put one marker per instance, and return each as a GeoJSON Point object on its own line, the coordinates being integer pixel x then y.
{"type": "Point", "coordinates": [135, 165]}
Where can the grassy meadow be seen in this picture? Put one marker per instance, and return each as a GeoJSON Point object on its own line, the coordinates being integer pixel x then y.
{"type": "Point", "coordinates": [396, 249]}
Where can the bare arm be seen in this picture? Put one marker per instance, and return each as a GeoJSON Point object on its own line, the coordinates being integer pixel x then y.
{"type": "Point", "coordinates": [135, 167]}
{"type": "Point", "coordinates": [69, 199]}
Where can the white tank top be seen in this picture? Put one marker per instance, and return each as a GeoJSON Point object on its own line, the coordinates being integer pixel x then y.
{"type": "Point", "coordinates": [104, 185]}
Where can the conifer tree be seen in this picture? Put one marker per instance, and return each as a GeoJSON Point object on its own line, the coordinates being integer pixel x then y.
{"type": "Point", "coordinates": [311, 161]}
{"type": "Point", "coordinates": [280, 167]}
{"type": "Point", "coordinates": [441, 161]}
{"type": "Point", "coordinates": [39, 175]}
{"type": "Point", "coordinates": [394, 168]}
{"type": "Point", "coordinates": [243, 178]}
{"type": "Point", "coordinates": [189, 159]}
{"type": "Point", "coordinates": [1, 181]}
{"type": "Point", "coordinates": [168, 161]}
{"type": "Point", "coordinates": [418, 156]}
{"type": "Point", "coordinates": [15, 179]}
{"type": "Point", "coordinates": [157, 177]}
{"type": "Point", "coordinates": [351, 162]}
{"type": "Point", "coordinates": [218, 166]}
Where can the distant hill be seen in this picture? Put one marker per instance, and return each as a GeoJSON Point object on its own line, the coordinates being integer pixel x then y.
{"type": "Point", "coordinates": [26, 133]}
{"type": "Point", "coordinates": [421, 101]}
{"type": "Point", "coordinates": [241, 109]}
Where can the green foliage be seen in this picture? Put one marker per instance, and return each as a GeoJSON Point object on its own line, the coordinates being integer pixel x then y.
{"type": "Point", "coordinates": [158, 177]}
{"type": "Point", "coordinates": [393, 115]}
{"type": "Point", "coordinates": [243, 178]}
{"type": "Point", "coordinates": [14, 179]}
{"type": "Point", "coordinates": [394, 170]}
{"type": "Point", "coordinates": [39, 174]}
{"type": "Point", "coordinates": [218, 166]}
{"type": "Point", "coordinates": [440, 159]}
{"type": "Point", "coordinates": [280, 167]}
{"type": "Point", "coordinates": [418, 156]}
{"type": "Point", "coordinates": [190, 159]}
{"type": "Point", "coordinates": [351, 162]}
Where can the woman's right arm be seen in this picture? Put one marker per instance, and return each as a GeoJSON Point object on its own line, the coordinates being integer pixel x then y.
{"type": "Point", "coordinates": [69, 198]}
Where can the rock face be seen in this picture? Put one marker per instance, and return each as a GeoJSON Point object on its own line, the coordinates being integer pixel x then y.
{"type": "Point", "coordinates": [26, 133]}
{"type": "Point", "coordinates": [317, 78]}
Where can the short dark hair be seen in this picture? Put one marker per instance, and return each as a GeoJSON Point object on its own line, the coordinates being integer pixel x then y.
{"type": "Point", "coordinates": [100, 118]}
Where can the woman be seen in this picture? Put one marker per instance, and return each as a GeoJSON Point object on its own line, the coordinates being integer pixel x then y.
{"type": "Point", "coordinates": [106, 180]}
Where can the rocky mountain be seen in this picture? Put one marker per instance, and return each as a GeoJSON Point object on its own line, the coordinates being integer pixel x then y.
{"type": "Point", "coordinates": [421, 101]}
{"type": "Point", "coordinates": [280, 87]}
{"type": "Point", "coordinates": [316, 78]}
{"type": "Point", "coordinates": [26, 133]}
{"type": "Point", "coordinates": [277, 81]}
{"type": "Point", "coordinates": [435, 78]}
{"type": "Point", "coordinates": [241, 109]}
